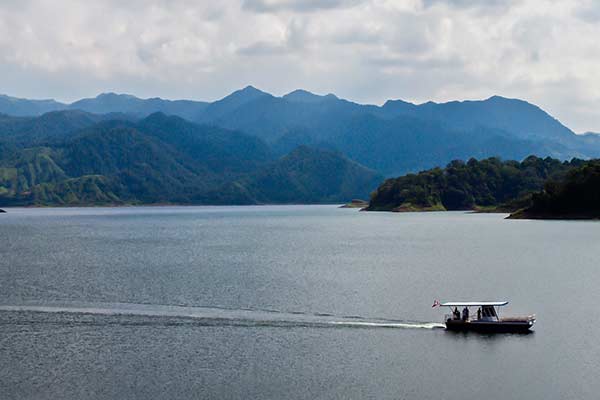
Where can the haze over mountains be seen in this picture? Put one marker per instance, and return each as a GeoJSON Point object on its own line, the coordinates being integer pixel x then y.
{"type": "Point", "coordinates": [253, 147]}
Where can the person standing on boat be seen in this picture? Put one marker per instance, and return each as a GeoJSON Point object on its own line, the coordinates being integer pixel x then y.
{"type": "Point", "coordinates": [456, 313]}
{"type": "Point", "coordinates": [479, 313]}
{"type": "Point", "coordinates": [465, 314]}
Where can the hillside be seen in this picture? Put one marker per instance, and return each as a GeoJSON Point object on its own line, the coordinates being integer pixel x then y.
{"type": "Point", "coordinates": [488, 184]}
{"type": "Point", "coordinates": [393, 139]}
{"type": "Point", "coordinates": [309, 175]}
{"type": "Point", "coordinates": [401, 137]}
{"type": "Point", "coordinates": [575, 196]}
{"type": "Point", "coordinates": [50, 127]}
{"type": "Point", "coordinates": [162, 159]}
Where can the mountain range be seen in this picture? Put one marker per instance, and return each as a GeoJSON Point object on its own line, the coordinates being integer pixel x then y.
{"type": "Point", "coordinates": [253, 147]}
{"type": "Point", "coordinates": [77, 158]}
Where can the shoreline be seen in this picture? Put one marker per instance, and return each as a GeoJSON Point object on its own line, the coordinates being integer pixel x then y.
{"type": "Point", "coordinates": [556, 217]}
{"type": "Point", "coordinates": [164, 205]}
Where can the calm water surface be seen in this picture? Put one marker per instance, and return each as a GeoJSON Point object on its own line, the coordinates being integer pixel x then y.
{"type": "Point", "coordinates": [290, 302]}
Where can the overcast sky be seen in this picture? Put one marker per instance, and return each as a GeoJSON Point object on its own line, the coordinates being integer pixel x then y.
{"type": "Point", "coordinates": [543, 51]}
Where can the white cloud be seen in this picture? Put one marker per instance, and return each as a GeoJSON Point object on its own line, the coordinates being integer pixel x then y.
{"type": "Point", "coordinates": [543, 51]}
{"type": "Point", "coordinates": [296, 5]}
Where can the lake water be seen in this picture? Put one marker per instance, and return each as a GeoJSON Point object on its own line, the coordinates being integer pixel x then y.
{"type": "Point", "coordinates": [291, 302]}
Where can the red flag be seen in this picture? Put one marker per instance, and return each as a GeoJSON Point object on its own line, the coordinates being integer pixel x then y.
{"type": "Point", "coordinates": [436, 303]}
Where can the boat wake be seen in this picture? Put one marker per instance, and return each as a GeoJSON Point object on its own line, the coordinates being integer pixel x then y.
{"type": "Point", "coordinates": [145, 314]}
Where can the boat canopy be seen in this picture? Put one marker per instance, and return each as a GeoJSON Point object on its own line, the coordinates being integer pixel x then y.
{"type": "Point", "coordinates": [474, 303]}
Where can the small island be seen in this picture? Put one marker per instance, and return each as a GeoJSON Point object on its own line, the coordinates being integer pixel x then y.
{"type": "Point", "coordinates": [2, 211]}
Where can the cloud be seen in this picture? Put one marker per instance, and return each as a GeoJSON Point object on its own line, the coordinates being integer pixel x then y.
{"type": "Point", "coordinates": [263, 48]}
{"type": "Point", "coordinates": [488, 4]}
{"type": "Point", "coordinates": [296, 5]}
{"type": "Point", "coordinates": [588, 11]}
{"type": "Point", "coordinates": [543, 51]}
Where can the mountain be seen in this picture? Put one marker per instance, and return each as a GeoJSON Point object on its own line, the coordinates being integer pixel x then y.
{"type": "Point", "coordinates": [401, 137]}
{"type": "Point", "coordinates": [124, 103]}
{"type": "Point", "coordinates": [308, 175]}
{"type": "Point", "coordinates": [230, 103]}
{"type": "Point", "coordinates": [52, 126]}
{"type": "Point", "coordinates": [272, 118]}
{"type": "Point", "coordinates": [393, 139]}
{"type": "Point", "coordinates": [590, 139]}
{"type": "Point", "coordinates": [303, 96]}
{"type": "Point", "coordinates": [104, 103]}
{"type": "Point", "coordinates": [24, 107]}
{"type": "Point", "coordinates": [166, 159]}
{"type": "Point", "coordinates": [406, 144]}
{"type": "Point", "coordinates": [517, 117]}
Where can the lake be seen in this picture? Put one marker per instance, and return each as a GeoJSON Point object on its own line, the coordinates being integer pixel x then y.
{"type": "Point", "coordinates": [291, 302]}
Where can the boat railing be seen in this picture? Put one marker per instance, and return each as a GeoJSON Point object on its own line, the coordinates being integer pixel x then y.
{"type": "Point", "coordinates": [471, 318]}
{"type": "Point", "coordinates": [451, 317]}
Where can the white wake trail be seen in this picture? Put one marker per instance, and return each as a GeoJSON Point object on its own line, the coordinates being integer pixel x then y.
{"type": "Point", "coordinates": [209, 316]}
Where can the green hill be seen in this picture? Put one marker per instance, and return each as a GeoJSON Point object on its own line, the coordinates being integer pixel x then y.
{"type": "Point", "coordinates": [307, 175]}
{"type": "Point", "coordinates": [486, 184]}
{"type": "Point", "coordinates": [576, 196]}
{"type": "Point", "coordinates": [163, 159]}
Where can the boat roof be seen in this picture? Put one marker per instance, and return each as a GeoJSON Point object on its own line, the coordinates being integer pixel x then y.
{"type": "Point", "coordinates": [474, 303]}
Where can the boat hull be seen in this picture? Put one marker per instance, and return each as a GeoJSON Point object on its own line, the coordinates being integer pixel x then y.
{"type": "Point", "coordinates": [490, 326]}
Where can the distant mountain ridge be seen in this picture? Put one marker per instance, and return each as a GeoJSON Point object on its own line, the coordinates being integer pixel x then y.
{"type": "Point", "coordinates": [24, 107]}
{"type": "Point", "coordinates": [511, 115]}
{"type": "Point", "coordinates": [393, 139]}
{"type": "Point", "coordinates": [104, 103]}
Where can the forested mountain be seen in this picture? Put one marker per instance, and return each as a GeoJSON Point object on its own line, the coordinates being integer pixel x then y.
{"type": "Point", "coordinates": [161, 159]}
{"type": "Point", "coordinates": [308, 176]}
{"type": "Point", "coordinates": [393, 139]}
{"type": "Point", "coordinates": [465, 186]}
{"type": "Point", "coordinates": [218, 151]}
{"type": "Point", "coordinates": [52, 126]}
{"type": "Point", "coordinates": [400, 137]}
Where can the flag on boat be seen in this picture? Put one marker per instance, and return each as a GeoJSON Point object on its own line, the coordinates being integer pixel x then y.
{"type": "Point", "coordinates": [436, 303]}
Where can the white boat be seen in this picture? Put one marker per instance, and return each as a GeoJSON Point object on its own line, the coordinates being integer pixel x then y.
{"type": "Point", "coordinates": [482, 316]}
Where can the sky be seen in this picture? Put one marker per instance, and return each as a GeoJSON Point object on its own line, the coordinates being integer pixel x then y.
{"type": "Point", "coordinates": [544, 51]}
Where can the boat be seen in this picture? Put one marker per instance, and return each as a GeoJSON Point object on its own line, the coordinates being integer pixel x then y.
{"type": "Point", "coordinates": [484, 319]}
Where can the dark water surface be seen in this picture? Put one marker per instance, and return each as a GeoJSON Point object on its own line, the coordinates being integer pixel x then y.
{"type": "Point", "coordinates": [291, 302]}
